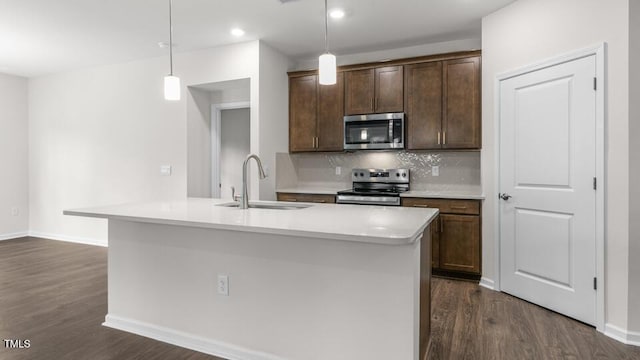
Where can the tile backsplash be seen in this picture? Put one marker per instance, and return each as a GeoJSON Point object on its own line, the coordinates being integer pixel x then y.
{"type": "Point", "coordinates": [458, 170]}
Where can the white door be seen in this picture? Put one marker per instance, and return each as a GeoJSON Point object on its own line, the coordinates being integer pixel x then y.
{"type": "Point", "coordinates": [547, 167]}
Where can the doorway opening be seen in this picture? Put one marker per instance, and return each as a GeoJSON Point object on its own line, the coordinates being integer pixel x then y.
{"type": "Point", "coordinates": [230, 134]}
{"type": "Point", "coordinates": [218, 136]}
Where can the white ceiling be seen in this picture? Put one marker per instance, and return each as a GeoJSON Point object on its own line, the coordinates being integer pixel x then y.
{"type": "Point", "coordinates": [46, 36]}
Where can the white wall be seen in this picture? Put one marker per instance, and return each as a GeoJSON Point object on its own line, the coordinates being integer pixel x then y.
{"type": "Point", "coordinates": [14, 175]}
{"type": "Point", "coordinates": [198, 143]}
{"type": "Point", "coordinates": [232, 95]}
{"type": "Point", "coordinates": [234, 147]}
{"type": "Point", "coordinates": [634, 168]}
{"type": "Point", "coordinates": [528, 31]}
{"type": "Point", "coordinates": [98, 135]}
{"type": "Point", "coordinates": [273, 127]}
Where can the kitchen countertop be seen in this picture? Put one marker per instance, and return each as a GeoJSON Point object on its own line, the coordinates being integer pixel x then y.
{"type": "Point", "coordinates": [312, 190]}
{"type": "Point", "coordinates": [445, 194]}
{"type": "Point", "coordinates": [368, 224]}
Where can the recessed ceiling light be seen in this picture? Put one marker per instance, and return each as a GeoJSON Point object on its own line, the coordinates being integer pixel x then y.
{"type": "Point", "coordinates": [336, 13]}
{"type": "Point", "coordinates": [237, 32]}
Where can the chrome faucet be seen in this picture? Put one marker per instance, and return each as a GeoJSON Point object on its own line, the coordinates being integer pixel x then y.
{"type": "Point", "coordinates": [244, 201]}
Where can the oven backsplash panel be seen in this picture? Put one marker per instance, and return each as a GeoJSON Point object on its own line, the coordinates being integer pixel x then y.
{"type": "Point", "coordinates": [457, 170]}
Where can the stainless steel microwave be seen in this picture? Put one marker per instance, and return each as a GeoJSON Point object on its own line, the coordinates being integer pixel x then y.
{"type": "Point", "coordinates": [374, 131]}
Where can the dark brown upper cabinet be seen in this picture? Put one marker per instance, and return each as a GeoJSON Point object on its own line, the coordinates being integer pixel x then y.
{"type": "Point", "coordinates": [443, 104]}
{"type": "Point", "coordinates": [315, 114]}
{"type": "Point", "coordinates": [461, 124]}
{"type": "Point", "coordinates": [423, 91]}
{"type": "Point", "coordinates": [377, 90]}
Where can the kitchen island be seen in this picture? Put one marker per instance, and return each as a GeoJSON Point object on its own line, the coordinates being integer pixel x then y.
{"type": "Point", "coordinates": [308, 281]}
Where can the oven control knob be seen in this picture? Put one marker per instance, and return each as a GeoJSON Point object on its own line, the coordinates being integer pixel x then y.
{"type": "Point", "coordinates": [404, 174]}
{"type": "Point", "coordinates": [355, 174]}
{"type": "Point", "coordinates": [397, 174]}
{"type": "Point", "coordinates": [361, 174]}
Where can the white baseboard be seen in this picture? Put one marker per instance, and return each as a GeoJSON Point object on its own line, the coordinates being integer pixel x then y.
{"type": "Point", "coordinates": [73, 239]}
{"type": "Point", "coordinates": [622, 335]}
{"type": "Point", "coordinates": [185, 340]}
{"type": "Point", "coordinates": [487, 283]}
{"type": "Point", "coordinates": [14, 235]}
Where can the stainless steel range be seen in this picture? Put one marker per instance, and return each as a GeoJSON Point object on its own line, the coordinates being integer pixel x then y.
{"type": "Point", "coordinates": [375, 187]}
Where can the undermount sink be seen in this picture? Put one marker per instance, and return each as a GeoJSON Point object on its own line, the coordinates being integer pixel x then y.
{"type": "Point", "coordinates": [272, 206]}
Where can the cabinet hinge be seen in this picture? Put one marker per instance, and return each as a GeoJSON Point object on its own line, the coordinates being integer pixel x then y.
{"type": "Point", "coordinates": [595, 83]}
{"type": "Point", "coordinates": [595, 283]}
{"type": "Point", "coordinates": [595, 183]}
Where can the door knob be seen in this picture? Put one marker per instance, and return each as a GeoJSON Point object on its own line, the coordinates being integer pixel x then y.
{"type": "Point", "coordinates": [504, 196]}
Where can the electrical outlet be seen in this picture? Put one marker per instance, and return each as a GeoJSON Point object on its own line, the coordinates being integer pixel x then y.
{"type": "Point", "coordinates": [435, 171]}
{"type": "Point", "coordinates": [338, 170]}
{"type": "Point", "coordinates": [15, 211]}
{"type": "Point", "coordinates": [223, 285]}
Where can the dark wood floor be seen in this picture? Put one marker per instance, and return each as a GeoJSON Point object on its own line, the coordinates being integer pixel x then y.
{"type": "Point", "coordinates": [55, 294]}
{"type": "Point", "coordinates": [471, 322]}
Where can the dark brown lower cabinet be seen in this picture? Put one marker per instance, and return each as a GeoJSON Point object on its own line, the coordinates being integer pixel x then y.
{"type": "Point", "coordinates": [455, 236]}
{"type": "Point", "coordinates": [459, 243]}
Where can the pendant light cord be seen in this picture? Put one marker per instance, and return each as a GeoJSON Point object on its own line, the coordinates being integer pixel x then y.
{"type": "Point", "coordinates": [326, 28]}
{"type": "Point", "coordinates": [171, 39]}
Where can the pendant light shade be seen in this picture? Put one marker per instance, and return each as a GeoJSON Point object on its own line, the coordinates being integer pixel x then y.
{"type": "Point", "coordinates": [327, 70]}
{"type": "Point", "coordinates": [171, 88]}
{"type": "Point", "coordinates": [171, 82]}
{"type": "Point", "coordinates": [327, 61]}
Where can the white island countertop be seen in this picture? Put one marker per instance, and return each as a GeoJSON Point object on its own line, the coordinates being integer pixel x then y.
{"type": "Point", "coordinates": [369, 224]}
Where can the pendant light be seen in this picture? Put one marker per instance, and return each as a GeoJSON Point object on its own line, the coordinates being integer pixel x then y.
{"type": "Point", "coordinates": [327, 61]}
{"type": "Point", "coordinates": [171, 82]}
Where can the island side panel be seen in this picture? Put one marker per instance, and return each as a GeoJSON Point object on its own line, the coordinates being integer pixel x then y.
{"type": "Point", "coordinates": [289, 297]}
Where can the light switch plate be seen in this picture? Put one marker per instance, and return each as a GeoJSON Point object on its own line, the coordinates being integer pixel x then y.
{"type": "Point", "coordinates": [165, 170]}
{"type": "Point", "coordinates": [435, 171]}
{"type": "Point", "coordinates": [338, 170]}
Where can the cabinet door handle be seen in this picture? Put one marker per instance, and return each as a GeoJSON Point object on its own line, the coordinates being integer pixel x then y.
{"type": "Point", "coordinates": [421, 205]}
{"type": "Point", "coordinates": [371, 105]}
{"type": "Point", "coordinates": [440, 222]}
{"type": "Point", "coordinates": [438, 137]}
{"type": "Point", "coordinates": [376, 105]}
{"type": "Point", "coordinates": [444, 138]}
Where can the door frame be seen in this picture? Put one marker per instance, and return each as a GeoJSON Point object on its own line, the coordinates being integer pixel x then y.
{"type": "Point", "coordinates": [599, 51]}
{"type": "Point", "coordinates": [216, 117]}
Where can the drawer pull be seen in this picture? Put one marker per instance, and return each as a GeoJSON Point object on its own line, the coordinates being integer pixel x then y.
{"type": "Point", "coordinates": [290, 200]}
{"type": "Point", "coordinates": [459, 207]}
{"type": "Point", "coordinates": [319, 201]}
{"type": "Point", "coordinates": [421, 205]}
